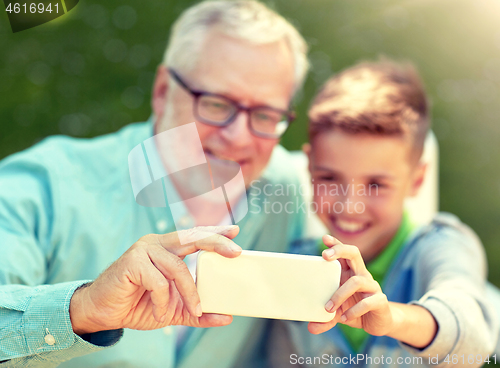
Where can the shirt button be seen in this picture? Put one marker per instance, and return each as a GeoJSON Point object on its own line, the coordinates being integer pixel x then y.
{"type": "Point", "coordinates": [184, 221]}
{"type": "Point", "coordinates": [161, 225]}
{"type": "Point", "coordinates": [49, 339]}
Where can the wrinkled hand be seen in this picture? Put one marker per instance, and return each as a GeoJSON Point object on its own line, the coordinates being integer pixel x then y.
{"type": "Point", "coordinates": [359, 301]}
{"type": "Point", "coordinates": [150, 286]}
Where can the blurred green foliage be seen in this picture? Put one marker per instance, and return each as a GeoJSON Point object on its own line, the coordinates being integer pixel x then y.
{"type": "Point", "coordinates": [91, 72]}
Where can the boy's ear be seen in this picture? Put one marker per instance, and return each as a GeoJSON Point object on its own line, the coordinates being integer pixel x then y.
{"type": "Point", "coordinates": [418, 179]}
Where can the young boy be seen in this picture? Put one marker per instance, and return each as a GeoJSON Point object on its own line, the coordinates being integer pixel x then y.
{"type": "Point", "coordinates": [411, 297]}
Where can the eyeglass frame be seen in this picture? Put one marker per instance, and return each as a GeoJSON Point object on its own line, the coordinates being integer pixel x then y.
{"type": "Point", "coordinates": [290, 115]}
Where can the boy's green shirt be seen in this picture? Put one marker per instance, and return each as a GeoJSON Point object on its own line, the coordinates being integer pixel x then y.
{"type": "Point", "coordinates": [378, 269]}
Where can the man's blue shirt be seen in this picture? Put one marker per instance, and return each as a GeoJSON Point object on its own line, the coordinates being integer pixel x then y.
{"type": "Point", "coordinates": [67, 211]}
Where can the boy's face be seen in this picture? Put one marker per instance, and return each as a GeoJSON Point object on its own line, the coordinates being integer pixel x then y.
{"type": "Point", "coordinates": [360, 182]}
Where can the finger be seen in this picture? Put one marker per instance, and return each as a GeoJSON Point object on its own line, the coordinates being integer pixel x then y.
{"type": "Point", "coordinates": [364, 306]}
{"type": "Point", "coordinates": [355, 284]}
{"type": "Point", "coordinates": [345, 274]}
{"type": "Point", "coordinates": [229, 231]}
{"type": "Point", "coordinates": [320, 327]}
{"type": "Point", "coordinates": [330, 241]}
{"type": "Point", "coordinates": [210, 242]}
{"type": "Point", "coordinates": [160, 299]}
{"type": "Point", "coordinates": [190, 235]}
{"type": "Point", "coordinates": [183, 317]}
{"type": "Point", "coordinates": [154, 281]}
{"type": "Point", "coordinates": [211, 238]}
{"type": "Point", "coordinates": [214, 320]}
{"type": "Point", "coordinates": [348, 252]}
{"type": "Point", "coordinates": [173, 268]}
{"type": "Point", "coordinates": [175, 304]}
{"type": "Point", "coordinates": [215, 243]}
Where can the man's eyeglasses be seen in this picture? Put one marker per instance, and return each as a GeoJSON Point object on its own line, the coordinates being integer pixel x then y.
{"type": "Point", "coordinates": [217, 110]}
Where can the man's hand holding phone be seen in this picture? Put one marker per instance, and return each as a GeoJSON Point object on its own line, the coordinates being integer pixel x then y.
{"type": "Point", "coordinates": [150, 286]}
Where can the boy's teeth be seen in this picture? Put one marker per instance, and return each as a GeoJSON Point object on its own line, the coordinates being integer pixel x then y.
{"type": "Point", "coordinates": [349, 226]}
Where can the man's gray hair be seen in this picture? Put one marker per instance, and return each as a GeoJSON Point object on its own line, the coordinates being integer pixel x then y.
{"type": "Point", "coordinates": [248, 20]}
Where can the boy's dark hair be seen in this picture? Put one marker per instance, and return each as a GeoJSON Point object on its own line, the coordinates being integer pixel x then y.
{"type": "Point", "coordinates": [383, 98]}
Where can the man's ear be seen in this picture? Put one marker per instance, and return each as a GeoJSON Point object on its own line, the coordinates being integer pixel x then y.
{"type": "Point", "coordinates": [160, 89]}
{"type": "Point", "coordinates": [306, 148]}
{"type": "Point", "coordinates": [418, 178]}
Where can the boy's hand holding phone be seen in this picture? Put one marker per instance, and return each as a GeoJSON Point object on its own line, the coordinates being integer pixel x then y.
{"type": "Point", "coordinates": [359, 301]}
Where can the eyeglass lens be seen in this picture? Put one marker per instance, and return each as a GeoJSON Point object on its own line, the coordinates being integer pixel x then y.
{"type": "Point", "coordinates": [218, 110]}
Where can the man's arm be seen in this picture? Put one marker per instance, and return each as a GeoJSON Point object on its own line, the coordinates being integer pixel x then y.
{"type": "Point", "coordinates": [29, 310]}
{"type": "Point", "coordinates": [150, 287]}
{"type": "Point", "coordinates": [35, 323]}
{"type": "Point", "coordinates": [38, 322]}
{"type": "Point", "coordinates": [132, 293]}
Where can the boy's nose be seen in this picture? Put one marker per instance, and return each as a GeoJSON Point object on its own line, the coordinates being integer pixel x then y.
{"type": "Point", "coordinates": [354, 192]}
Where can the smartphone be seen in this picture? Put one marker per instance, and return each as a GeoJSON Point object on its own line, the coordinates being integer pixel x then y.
{"type": "Point", "coordinates": [267, 285]}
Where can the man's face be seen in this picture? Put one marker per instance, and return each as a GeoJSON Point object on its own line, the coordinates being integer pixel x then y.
{"type": "Point", "coordinates": [253, 75]}
{"type": "Point", "coordinates": [360, 182]}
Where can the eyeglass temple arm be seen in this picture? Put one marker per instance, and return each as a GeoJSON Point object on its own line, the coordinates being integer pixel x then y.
{"type": "Point", "coordinates": [178, 79]}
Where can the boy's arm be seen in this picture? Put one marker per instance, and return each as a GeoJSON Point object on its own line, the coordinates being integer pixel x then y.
{"type": "Point", "coordinates": [412, 324]}
{"type": "Point", "coordinates": [451, 277]}
{"type": "Point", "coordinates": [450, 274]}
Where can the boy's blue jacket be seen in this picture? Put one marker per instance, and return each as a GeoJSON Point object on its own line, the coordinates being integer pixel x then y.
{"type": "Point", "coordinates": [442, 267]}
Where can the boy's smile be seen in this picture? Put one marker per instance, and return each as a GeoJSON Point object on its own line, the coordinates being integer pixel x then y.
{"type": "Point", "coordinates": [348, 227]}
{"type": "Point", "coordinates": [360, 182]}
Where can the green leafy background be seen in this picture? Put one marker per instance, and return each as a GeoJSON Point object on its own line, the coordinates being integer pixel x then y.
{"type": "Point", "coordinates": [91, 71]}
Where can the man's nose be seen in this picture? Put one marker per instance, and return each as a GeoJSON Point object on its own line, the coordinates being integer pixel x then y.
{"type": "Point", "coordinates": [238, 131]}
